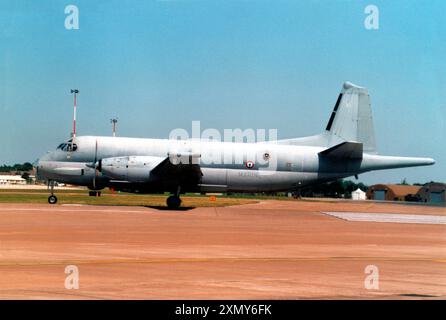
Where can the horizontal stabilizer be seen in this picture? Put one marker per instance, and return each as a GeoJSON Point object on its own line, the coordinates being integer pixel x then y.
{"type": "Point", "coordinates": [344, 150]}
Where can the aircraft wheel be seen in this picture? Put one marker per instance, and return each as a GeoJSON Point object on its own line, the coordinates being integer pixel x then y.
{"type": "Point", "coordinates": [173, 202]}
{"type": "Point", "coordinates": [52, 199]}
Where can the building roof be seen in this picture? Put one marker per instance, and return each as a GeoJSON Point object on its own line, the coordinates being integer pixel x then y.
{"type": "Point", "coordinates": [433, 187]}
{"type": "Point", "coordinates": [11, 178]}
{"type": "Point", "coordinates": [398, 189]}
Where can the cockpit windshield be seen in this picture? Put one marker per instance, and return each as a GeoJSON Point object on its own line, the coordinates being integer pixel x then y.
{"type": "Point", "coordinates": [67, 146]}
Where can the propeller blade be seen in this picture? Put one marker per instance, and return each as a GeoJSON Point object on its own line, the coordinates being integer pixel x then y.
{"type": "Point", "coordinates": [95, 152]}
{"type": "Point", "coordinates": [94, 164]}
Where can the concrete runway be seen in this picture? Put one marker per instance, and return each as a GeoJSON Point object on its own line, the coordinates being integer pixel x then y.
{"type": "Point", "coordinates": [268, 250]}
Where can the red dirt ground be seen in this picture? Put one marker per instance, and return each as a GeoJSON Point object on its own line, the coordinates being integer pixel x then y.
{"type": "Point", "coordinates": [268, 250]}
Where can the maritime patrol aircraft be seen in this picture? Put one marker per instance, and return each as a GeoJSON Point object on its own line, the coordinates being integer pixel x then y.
{"type": "Point", "coordinates": [345, 148]}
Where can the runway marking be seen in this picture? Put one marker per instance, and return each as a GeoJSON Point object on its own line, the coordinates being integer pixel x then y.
{"type": "Point", "coordinates": [388, 217]}
{"type": "Point", "coordinates": [213, 260]}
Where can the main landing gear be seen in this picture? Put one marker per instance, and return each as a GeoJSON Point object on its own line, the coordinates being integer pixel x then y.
{"type": "Point", "coordinates": [174, 201]}
{"type": "Point", "coordinates": [52, 199]}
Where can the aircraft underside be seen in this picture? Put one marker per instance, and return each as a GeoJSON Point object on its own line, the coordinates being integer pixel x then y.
{"type": "Point", "coordinates": [210, 180]}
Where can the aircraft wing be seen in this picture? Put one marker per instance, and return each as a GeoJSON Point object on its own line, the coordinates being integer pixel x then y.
{"type": "Point", "coordinates": [169, 168]}
{"type": "Point", "coordinates": [182, 169]}
{"type": "Point", "coordinates": [177, 169]}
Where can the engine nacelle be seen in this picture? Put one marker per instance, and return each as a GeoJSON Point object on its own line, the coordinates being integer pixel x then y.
{"type": "Point", "coordinates": [131, 168]}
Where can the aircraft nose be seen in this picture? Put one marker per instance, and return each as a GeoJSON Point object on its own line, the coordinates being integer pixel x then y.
{"type": "Point", "coordinates": [39, 168]}
{"type": "Point", "coordinates": [41, 165]}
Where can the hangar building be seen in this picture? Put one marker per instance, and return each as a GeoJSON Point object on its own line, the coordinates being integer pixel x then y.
{"type": "Point", "coordinates": [433, 192]}
{"type": "Point", "coordinates": [392, 192]}
{"type": "Point", "coordinates": [7, 179]}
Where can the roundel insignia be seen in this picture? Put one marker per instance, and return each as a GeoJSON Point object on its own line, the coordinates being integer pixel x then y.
{"type": "Point", "coordinates": [249, 164]}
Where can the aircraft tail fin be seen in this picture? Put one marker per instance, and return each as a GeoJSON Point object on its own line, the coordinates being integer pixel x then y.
{"type": "Point", "coordinates": [351, 120]}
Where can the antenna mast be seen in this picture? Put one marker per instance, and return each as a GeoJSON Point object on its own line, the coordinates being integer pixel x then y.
{"type": "Point", "coordinates": [75, 91]}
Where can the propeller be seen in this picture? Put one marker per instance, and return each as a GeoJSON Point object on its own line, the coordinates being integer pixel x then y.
{"type": "Point", "coordinates": [96, 165]}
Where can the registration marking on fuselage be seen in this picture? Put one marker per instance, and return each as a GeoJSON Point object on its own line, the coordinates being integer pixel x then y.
{"type": "Point", "coordinates": [388, 217]}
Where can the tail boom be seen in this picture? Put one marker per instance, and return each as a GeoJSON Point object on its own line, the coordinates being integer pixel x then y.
{"type": "Point", "coordinates": [376, 162]}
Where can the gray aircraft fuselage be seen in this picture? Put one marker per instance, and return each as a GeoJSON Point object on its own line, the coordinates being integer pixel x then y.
{"type": "Point", "coordinates": [292, 166]}
{"type": "Point", "coordinates": [346, 148]}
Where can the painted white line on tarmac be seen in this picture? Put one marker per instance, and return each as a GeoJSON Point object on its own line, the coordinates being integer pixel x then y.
{"type": "Point", "coordinates": [388, 217]}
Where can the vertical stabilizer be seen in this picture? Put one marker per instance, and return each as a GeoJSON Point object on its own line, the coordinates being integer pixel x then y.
{"type": "Point", "coordinates": [351, 119]}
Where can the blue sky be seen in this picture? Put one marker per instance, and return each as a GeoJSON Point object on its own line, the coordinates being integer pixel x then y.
{"type": "Point", "coordinates": [159, 65]}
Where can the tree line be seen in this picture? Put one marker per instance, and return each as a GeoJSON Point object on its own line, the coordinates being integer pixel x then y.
{"type": "Point", "coordinates": [16, 167]}
{"type": "Point", "coordinates": [336, 189]}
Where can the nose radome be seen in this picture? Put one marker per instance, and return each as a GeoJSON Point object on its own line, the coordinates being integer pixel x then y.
{"type": "Point", "coordinates": [45, 157]}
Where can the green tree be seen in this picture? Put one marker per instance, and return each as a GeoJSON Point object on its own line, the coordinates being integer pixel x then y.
{"type": "Point", "coordinates": [404, 182]}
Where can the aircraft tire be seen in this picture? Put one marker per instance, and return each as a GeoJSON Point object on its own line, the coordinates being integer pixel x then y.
{"type": "Point", "coordinates": [52, 199]}
{"type": "Point", "coordinates": [173, 202]}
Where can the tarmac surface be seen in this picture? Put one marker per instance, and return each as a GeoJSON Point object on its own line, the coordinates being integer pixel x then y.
{"type": "Point", "coordinates": [268, 250]}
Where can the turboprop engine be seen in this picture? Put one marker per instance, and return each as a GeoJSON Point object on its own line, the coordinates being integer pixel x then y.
{"type": "Point", "coordinates": [131, 168]}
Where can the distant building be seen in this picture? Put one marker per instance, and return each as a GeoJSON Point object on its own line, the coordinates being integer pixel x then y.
{"type": "Point", "coordinates": [433, 193]}
{"type": "Point", "coordinates": [5, 179]}
{"type": "Point", "coordinates": [392, 192]}
{"type": "Point", "coordinates": [358, 194]}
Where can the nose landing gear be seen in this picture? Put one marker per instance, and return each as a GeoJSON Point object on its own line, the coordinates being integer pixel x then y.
{"type": "Point", "coordinates": [52, 199]}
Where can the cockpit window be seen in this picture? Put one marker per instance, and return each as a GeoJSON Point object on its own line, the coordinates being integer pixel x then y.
{"type": "Point", "coordinates": [71, 147]}
{"type": "Point", "coordinates": [67, 147]}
